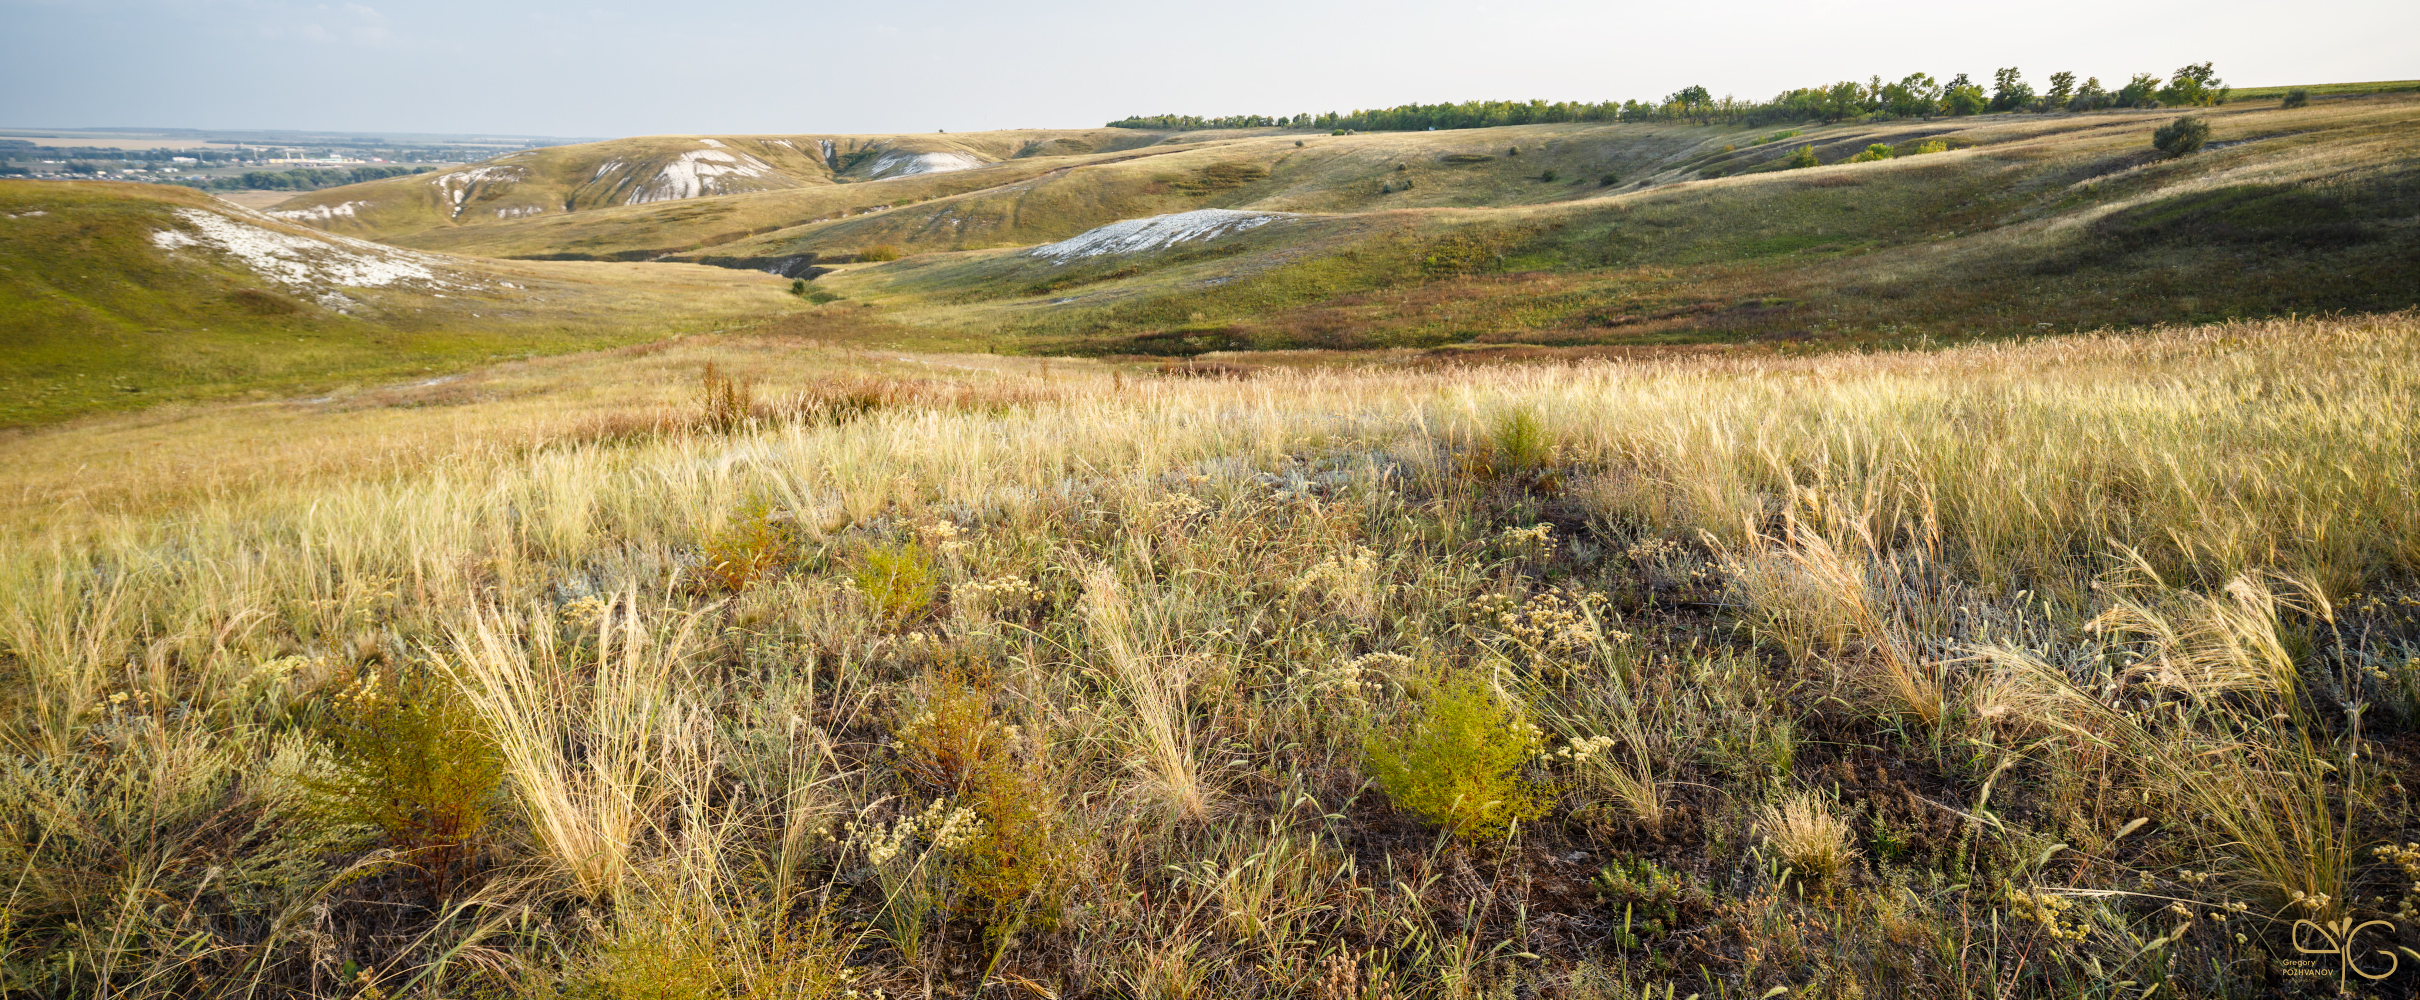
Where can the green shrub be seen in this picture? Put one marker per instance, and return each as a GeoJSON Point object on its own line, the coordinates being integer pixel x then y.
{"type": "Point", "coordinates": [1874, 152]}
{"type": "Point", "coordinates": [1337, 132]}
{"type": "Point", "coordinates": [410, 759]}
{"type": "Point", "coordinates": [954, 744]}
{"type": "Point", "coordinates": [798, 286]}
{"type": "Point", "coordinates": [879, 252]}
{"type": "Point", "coordinates": [2182, 136]}
{"type": "Point", "coordinates": [2296, 98]}
{"type": "Point", "coordinates": [1548, 176]}
{"type": "Point", "coordinates": [897, 581]}
{"type": "Point", "coordinates": [820, 297]}
{"type": "Point", "coordinates": [1928, 146]}
{"type": "Point", "coordinates": [1458, 763]}
{"type": "Point", "coordinates": [748, 549]}
{"type": "Point", "coordinates": [1804, 157]}
{"type": "Point", "coordinates": [1520, 441]}
{"type": "Point", "coordinates": [1609, 180]}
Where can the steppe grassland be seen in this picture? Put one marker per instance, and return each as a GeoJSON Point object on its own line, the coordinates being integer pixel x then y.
{"type": "Point", "coordinates": [1990, 240]}
{"type": "Point", "coordinates": [1058, 682]}
{"type": "Point", "coordinates": [96, 315]}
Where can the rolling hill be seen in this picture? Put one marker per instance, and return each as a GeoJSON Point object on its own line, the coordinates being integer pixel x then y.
{"type": "Point", "coordinates": [114, 296]}
{"type": "Point", "coordinates": [660, 170]}
{"type": "Point", "coordinates": [1519, 242]}
{"type": "Point", "coordinates": [2018, 224]}
{"type": "Point", "coordinates": [1571, 236]}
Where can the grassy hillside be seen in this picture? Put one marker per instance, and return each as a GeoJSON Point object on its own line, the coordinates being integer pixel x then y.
{"type": "Point", "coordinates": [2087, 667]}
{"type": "Point", "coordinates": [2025, 223]}
{"type": "Point", "coordinates": [1430, 246]}
{"type": "Point", "coordinates": [557, 181]}
{"type": "Point", "coordinates": [115, 296]}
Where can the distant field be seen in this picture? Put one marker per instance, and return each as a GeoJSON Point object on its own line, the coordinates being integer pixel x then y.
{"type": "Point", "coordinates": [1429, 247]}
{"type": "Point", "coordinates": [2028, 224]}
{"type": "Point", "coordinates": [96, 315]}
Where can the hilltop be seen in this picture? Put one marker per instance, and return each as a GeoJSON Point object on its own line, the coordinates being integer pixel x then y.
{"type": "Point", "coordinates": [114, 296]}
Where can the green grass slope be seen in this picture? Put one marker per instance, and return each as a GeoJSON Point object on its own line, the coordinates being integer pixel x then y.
{"type": "Point", "coordinates": [1058, 191]}
{"type": "Point", "coordinates": [2028, 223]}
{"type": "Point", "coordinates": [114, 296]}
{"type": "Point", "coordinates": [557, 181]}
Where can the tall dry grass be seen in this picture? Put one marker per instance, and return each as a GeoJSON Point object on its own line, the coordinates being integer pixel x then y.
{"type": "Point", "coordinates": [2096, 573]}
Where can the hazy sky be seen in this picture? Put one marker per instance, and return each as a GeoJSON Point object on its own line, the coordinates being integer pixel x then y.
{"type": "Point", "coordinates": [606, 68]}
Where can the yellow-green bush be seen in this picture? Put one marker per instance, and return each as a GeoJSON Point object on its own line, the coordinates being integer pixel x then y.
{"type": "Point", "coordinates": [1458, 761]}
{"type": "Point", "coordinates": [953, 743]}
{"type": "Point", "coordinates": [748, 549]}
{"type": "Point", "coordinates": [409, 758]}
{"type": "Point", "coordinates": [897, 581]}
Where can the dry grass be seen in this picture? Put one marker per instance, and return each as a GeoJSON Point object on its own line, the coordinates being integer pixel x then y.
{"type": "Point", "coordinates": [1803, 832]}
{"type": "Point", "coordinates": [1982, 608]}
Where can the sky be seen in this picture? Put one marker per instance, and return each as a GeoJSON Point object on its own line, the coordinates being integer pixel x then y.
{"type": "Point", "coordinates": [598, 68]}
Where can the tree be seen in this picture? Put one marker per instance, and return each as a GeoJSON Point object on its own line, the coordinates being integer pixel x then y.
{"type": "Point", "coordinates": [2062, 90]}
{"type": "Point", "coordinates": [1842, 100]}
{"type": "Point", "coordinates": [2009, 91]}
{"type": "Point", "coordinates": [1917, 94]}
{"type": "Point", "coordinates": [2182, 136]}
{"type": "Point", "coordinates": [1692, 102]}
{"type": "Point", "coordinates": [1964, 100]}
{"type": "Point", "coordinates": [2295, 98]}
{"type": "Point", "coordinates": [1804, 157]}
{"type": "Point", "coordinates": [2140, 92]}
{"type": "Point", "coordinates": [2194, 87]}
{"type": "Point", "coordinates": [2089, 97]}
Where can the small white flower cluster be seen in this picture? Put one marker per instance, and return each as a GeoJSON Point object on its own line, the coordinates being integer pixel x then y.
{"type": "Point", "coordinates": [1539, 537]}
{"type": "Point", "coordinates": [944, 829]}
{"type": "Point", "coordinates": [1353, 679]}
{"type": "Point", "coordinates": [1005, 590]}
{"type": "Point", "coordinates": [1583, 750]}
{"type": "Point", "coordinates": [585, 612]}
{"type": "Point", "coordinates": [2406, 857]}
{"type": "Point", "coordinates": [1175, 508]}
{"type": "Point", "coordinates": [1552, 623]}
{"type": "Point", "coordinates": [1652, 551]}
{"type": "Point", "coordinates": [1346, 570]}
{"type": "Point", "coordinates": [942, 535]}
{"type": "Point", "coordinates": [2048, 909]}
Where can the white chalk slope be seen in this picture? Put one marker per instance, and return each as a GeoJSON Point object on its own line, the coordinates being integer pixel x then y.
{"type": "Point", "coordinates": [315, 266]}
{"type": "Point", "coordinates": [900, 163]}
{"type": "Point", "coordinates": [1138, 235]}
